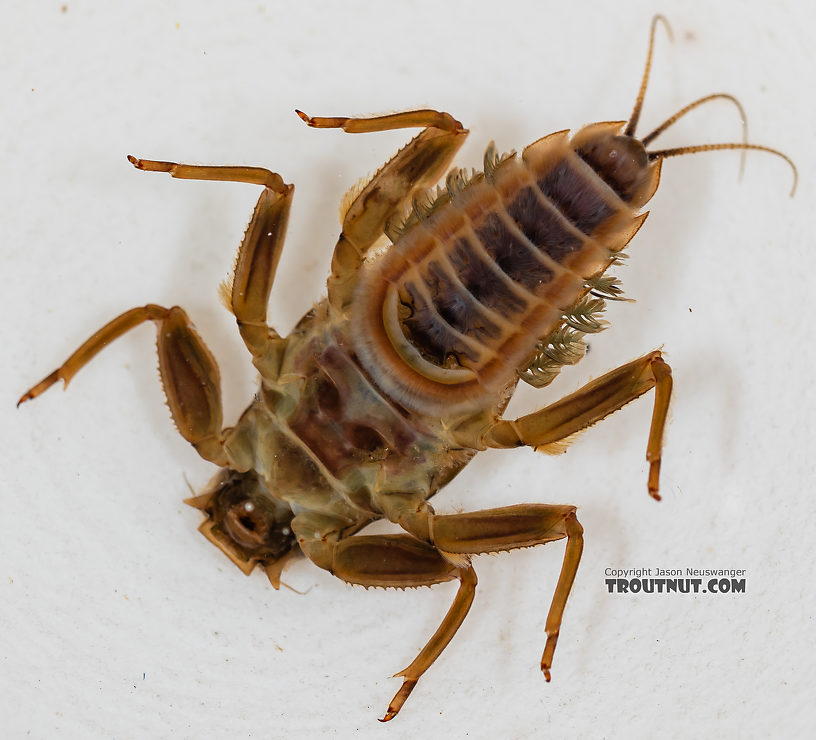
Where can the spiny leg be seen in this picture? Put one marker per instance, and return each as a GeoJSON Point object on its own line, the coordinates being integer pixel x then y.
{"type": "Point", "coordinates": [400, 561]}
{"type": "Point", "coordinates": [258, 255]}
{"type": "Point", "coordinates": [498, 530]}
{"type": "Point", "coordinates": [438, 642]}
{"type": "Point", "coordinates": [188, 372]}
{"type": "Point", "coordinates": [588, 405]}
{"type": "Point", "coordinates": [416, 167]}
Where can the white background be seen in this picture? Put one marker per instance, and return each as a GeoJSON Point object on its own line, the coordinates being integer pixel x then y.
{"type": "Point", "coordinates": [117, 619]}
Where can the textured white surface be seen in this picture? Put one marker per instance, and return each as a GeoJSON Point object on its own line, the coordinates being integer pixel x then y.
{"type": "Point", "coordinates": [118, 620]}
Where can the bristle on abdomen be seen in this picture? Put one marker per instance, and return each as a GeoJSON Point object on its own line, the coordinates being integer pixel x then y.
{"type": "Point", "coordinates": [447, 316]}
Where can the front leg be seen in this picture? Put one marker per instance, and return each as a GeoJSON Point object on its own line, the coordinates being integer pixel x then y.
{"type": "Point", "coordinates": [415, 168]}
{"type": "Point", "coordinates": [439, 551]}
{"type": "Point", "coordinates": [498, 530]}
{"type": "Point", "coordinates": [400, 561]}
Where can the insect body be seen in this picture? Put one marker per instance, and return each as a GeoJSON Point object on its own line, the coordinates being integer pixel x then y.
{"type": "Point", "coordinates": [390, 385]}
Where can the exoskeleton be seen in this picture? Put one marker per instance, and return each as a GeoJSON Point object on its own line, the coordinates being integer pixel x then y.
{"type": "Point", "coordinates": [391, 384]}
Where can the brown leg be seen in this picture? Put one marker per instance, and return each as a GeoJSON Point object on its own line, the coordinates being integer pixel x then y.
{"type": "Point", "coordinates": [438, 642]}
{"type": "Point", "coordinates": [258, 255]}
{"type": "Point", "coordinates": [401, 561]}
{"type": "Point", "coordinates": [588, 405]}
{"type": "Point", "coordinates": [416, 167]}
{"type": "Point", "coordinates": [440, 554]}
{"type": "Point", "coordinates": [188, 371]}
{"type": "Point", "coordinates": [500, 529]}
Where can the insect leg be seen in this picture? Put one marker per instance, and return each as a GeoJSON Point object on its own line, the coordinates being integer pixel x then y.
{"type": "Point", "coordinates": [188, 372]}
{"type": "Point", "coordinates": [258, 255]}
{"type": "Point", "coordinates": [400, 561]}
{"type": "Point", "coordinates": [555, 423]}
{"type": "Point", "coordinates": [500, 529]}
{"type": "Point", "coordinates": [416, 167]}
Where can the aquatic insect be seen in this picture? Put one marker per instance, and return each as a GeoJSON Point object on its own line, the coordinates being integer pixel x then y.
{"type": "Point", "coordinates": [389, 386]}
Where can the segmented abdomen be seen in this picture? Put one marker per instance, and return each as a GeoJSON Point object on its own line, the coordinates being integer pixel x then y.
{"type": "Point", "coordinates": [446, 317]}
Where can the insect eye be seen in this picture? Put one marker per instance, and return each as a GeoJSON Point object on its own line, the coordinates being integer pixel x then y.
{"type": "Point", "coordinates": [250, 518]}
{"type": "Point", "coordinates": [246, 524]}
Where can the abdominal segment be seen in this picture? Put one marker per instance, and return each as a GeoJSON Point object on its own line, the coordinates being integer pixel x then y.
{"type": "Point", "coordinates": [456, 306]}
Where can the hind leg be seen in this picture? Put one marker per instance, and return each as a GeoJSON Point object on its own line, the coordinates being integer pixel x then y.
{"type": "Point", "coordinates": [416, 167]}
{"type": "Point", "coordinates": [258, 255]}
